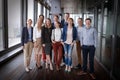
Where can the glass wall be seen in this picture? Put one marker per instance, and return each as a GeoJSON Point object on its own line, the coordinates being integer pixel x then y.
{"type": "Point", "coordinates": [116, 68]}
{"type": "Point", "coordinates": [14, 22]}
{"type": "Point", "coordinates": [99, 24]}
{"type": "Point", "coordinates": [44, 12]}
{"type": "Point", "coordinates": [107, 32]}
{"type": "Point", "coordinates": [1, 26]}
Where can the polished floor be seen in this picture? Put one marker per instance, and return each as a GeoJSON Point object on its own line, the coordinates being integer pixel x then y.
{"type": "Point", "coordinates": [14, 70]}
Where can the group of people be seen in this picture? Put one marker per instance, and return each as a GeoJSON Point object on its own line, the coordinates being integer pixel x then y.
{"type": "Point", "coordinates": [59, 37]}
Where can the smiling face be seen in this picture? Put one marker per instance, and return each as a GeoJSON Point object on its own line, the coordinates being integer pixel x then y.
{"type": "Point", "coordinates": [56, 18]}
{"type": "Point", "coordinates": [80, 22]}
{"type": "Point", "coordinates": [70, 21]}
{"type": "Point", "coordinates": [88, 23]}
{"type": "Point", "coordinates": [41, 17]}
{"type": "Point", "coordinates": [48, 22]}
{"type": "Point", "coordinates": [57, 24]}
{"type": "Point", "coordinates": [29, 22]}
{"type": "Point", "coordinates": [67, 16]}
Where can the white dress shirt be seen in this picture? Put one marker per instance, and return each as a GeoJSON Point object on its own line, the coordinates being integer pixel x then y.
{"type": "Point", "coordinates": [36, 33]}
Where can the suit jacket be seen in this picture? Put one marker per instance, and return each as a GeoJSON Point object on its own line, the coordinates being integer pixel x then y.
{"type": "Point", "coordinates": [63, 23]}
{"type": "Point", "coordinates": [25, 35]}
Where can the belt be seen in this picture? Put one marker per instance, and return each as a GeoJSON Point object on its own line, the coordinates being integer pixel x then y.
{"type": "Point", "coordinates": [89, 45]}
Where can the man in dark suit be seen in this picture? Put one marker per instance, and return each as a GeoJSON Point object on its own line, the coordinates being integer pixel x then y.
{"type": "Point", "coordinates": [27, 43]}
{"type": "Point", "coordinates": [64, 22]}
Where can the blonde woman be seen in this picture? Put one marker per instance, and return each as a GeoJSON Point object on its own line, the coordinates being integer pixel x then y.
{"type": "Point", "coordinates": [37, 43]}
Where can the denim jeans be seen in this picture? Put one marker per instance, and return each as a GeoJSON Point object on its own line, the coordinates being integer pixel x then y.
{"type": "Point", "coordinates": [91, 51]}
{"type": "Point", "coordinates": [68, 54]}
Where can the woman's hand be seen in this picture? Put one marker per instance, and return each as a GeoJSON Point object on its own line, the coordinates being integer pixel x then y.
{"type": "Point", "coordinates": [53, 42]}
{"type": "Point", "coordinates": [43, 45]}
{"type": "Point", "coordinates": [72, 44]}
{"type": "Point", "coordinates": [62, 43]}
{"type": "Point", "coordinates": [35, 45]}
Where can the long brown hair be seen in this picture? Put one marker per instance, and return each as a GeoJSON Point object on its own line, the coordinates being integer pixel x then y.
{"type": "Point", "coordinates": [46, 22]}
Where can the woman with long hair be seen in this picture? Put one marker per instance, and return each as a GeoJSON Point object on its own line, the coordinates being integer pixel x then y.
{"type": "Point", "coordinates": [56, 44]}
{"type": "Point", "coordinates": [46, 41]}
{"type": "Point", "coordinates": [68, 40]}
{"type": "Point", "coordinates": [37, 42]}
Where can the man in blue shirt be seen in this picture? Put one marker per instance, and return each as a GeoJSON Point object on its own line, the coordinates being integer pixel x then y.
{"type": "Point", "coordinates": [78, 43]}
{"type": "Point", "coordinates": [88, 40]}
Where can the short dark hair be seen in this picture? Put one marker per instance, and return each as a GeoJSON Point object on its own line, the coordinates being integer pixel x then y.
{"type": "Point", "coordinates": [88, 19]}
{"type": "Point", "coordinates": [41, 15]}
{"type": "Point", "coordinates": [67, 13]}
{"type": "Point", "coordinates": [56, 16]}
{"type": "Point", "coordinates": [80, 19]}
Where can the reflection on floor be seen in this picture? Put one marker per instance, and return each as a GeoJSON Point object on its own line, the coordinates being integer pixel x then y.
{"type": "Point", "coordinates": [14, 70]}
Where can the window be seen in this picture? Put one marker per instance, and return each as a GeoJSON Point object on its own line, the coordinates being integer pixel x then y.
{"type": "Point", "coordinates": [39, 9]}
{"type": "Point", "coordinates": [116, 68]}
{"type": "Point", "coordinates": [30, 9]}
{"type": "Point", "coordinates": [14, 22]}
{"type": "Point", "coordinates": [45, 12]}
{"type": "Point", "coordinates": [1, 27]}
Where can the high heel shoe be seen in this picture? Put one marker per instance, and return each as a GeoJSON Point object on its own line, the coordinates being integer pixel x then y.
{"type": "Point", "coordinates": [51, 67]}
{"type": "Point", "coordinates": [39, 67]}
{"type": "Point", "coordinates": [46, 65]}
{"type": "Point", "coordinates": [36, 65]}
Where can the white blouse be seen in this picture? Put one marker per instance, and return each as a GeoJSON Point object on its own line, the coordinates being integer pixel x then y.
{"type": "Point", "coordinates": [36, 33]}
{"type": "Point", "coordinates": [69, 37]}
{"type": "Point", "coordinates": [56, 34]}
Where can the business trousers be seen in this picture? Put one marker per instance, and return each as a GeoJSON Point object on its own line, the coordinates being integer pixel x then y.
{"type": "Point", "coordinates": [91, 51]}
{"type": "Point", "coordinates": [78, 47]}
{"type": "Point", "coordinates": [28, 47]}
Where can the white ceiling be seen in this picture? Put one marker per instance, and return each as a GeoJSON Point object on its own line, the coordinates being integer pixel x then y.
{"type": "Point", "coordinates": [71, 6]}
{"type": "Point", "coordinates": [74, 6]}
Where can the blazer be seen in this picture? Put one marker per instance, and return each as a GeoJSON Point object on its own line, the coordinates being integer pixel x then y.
{"type": "Point", "coordinates": [63, 23]}
{"type": "Point", "coordinates": [46, 35]}
{"type": "Point", "coordinates": [25, 35]}
{"type": "Point", "coordinates": [64, 34]}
